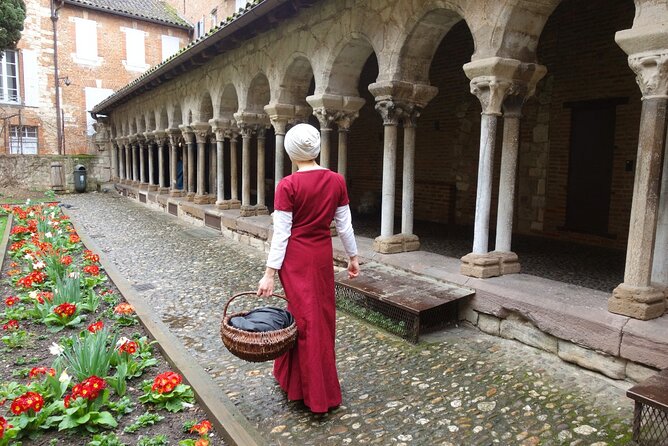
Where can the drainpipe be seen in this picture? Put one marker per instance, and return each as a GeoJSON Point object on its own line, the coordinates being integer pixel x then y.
{"type": "Point", "coordinates": [55, 6]}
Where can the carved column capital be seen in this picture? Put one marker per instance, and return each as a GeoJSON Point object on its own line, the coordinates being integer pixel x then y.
{"type": "Point", "coordinates": [325, 117]}
{"type": "Point", "coordinates": [261, 131]}
{"type": "Point", "coordinates": [651, 74]}
{"type": "Point", "coordinates": [411, 115]}
{"type": "Point", "coordinates": [390, 111]}
{"type": "Point", "coordinates": [188, 134]}
{"type": "Point", "coordinates": [279, 123]}
{"type": "Point", "coordinates": [246, 130]}
{"type": "Point", "coordinates": [491, 92]}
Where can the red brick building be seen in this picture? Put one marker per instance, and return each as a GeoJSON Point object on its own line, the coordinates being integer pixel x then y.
{"type": "Point", "coordinates": [101, 46]}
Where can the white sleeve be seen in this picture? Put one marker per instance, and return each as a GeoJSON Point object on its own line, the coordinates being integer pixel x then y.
{"type": "Point", "coordinates": [279, 241]}
{"type": "Point", "coordinates": [344, 228]}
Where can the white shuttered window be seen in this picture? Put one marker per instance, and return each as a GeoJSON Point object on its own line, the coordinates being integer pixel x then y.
{"type": "Point", "coordinates": [9, 77]}
{"type": "Point", "coordinates": [136, 49]}
{"type": "Point", "coordinates": [170, 46]}
{"type": "Point", "coordinates": [86, 39]}
{"type": "Point", "coordinates": [31, 78]}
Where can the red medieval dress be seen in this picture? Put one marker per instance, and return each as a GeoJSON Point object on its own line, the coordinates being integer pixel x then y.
{"type": "Point", "coordinates": [308, 371]}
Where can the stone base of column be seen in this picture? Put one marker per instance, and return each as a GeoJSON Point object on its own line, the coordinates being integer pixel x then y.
{"type": "Point", "coordinates": [176, 193]}
{"type": "Point", "coordinates": [190, 196]}
{"type": "Point", "coordinates": [248, 211]}
{"type": "Point", "coordinates": [152, 187]}
{"type": "Point", "coordinates": [212, 199]}
{"type": "Point", "coordinates": [143, 186]}
{"type": "Point", "coordinates": [163, 190]}
{"type": "Point", "coordinates": [642, 303]}
{"type": "Point", "coordinates": [509, 262]}
{"type": "Point", "coordinates": [481, 266]}
{"type": "Point", "coordinates": [261, 210]}
{"type": "Point", "coordinates": [396, 243]}
{"type": "Point", "coordinates": [200, 199]}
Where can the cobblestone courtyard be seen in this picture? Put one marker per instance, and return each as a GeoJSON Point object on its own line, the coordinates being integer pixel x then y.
{"type": "Point", "coordinates": [459, 387]}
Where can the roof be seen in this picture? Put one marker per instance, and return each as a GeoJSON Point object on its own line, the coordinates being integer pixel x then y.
{"type": "Point", "coordinates": [149, 10]}
{"type": "Point", "coordinates": [257, 17]}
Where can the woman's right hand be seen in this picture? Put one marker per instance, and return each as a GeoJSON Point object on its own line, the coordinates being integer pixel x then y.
{"type": "Point", "coordinates": [266, 285]}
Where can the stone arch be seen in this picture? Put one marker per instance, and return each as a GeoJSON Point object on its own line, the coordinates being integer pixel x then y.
{"type": "Point", "coordinates": [229, 102]}
{"type": "Point", "coordinates": [176, 116]}
{"type": "Point", "coordinates": [205, 107]}
{"type": "Point", "coordinates": [421, 42]}
{"type": "Point", "coordinates": [259, 94]}
{"type": "Point", "coordinates": [342, 72]}
{"type": "Point", "coordinates": [296, 81]}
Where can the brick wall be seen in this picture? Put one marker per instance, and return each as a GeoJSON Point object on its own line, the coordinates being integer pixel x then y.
{"type": "Point", "coordinates": [583, 62]}
{"type": "Point", "coordinates": [110, 73]}
{"type": "Point", "coordinates": [195, 10]}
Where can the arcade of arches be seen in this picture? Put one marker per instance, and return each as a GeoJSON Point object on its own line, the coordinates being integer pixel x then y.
{"type": "Point", "coordinates": [540, 117]}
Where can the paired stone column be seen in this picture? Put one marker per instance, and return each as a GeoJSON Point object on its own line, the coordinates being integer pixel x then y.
{"type": "Point", "coordinates": [213, 169]}
{"type": "Point", "coordinates": [343, 122]}
{"type": "Point", "coordinates": [189, 162]}
{"type": "Point", "coordinates": [121, 160]}
{"type": "Point", "coordinates": [129, 155]}
{"type": "Point", "coordinates": [114, 160]}
{"type": "Point", "coordinates": [492, 81]}
{"type": "Point", "coordinates": [201, 131]}
{"type": "Point", "coordinates": [246, 131]}
{"type": "Point", "coordinates": [174, 136]}
{"type": "Point", "coordinates": [135, 160]}
{"type": "Point", "coordinates": [637, 297]}
{"type": "Point", "coordinates": [220, 127]}
{"type": "Point", "coordinates": [261, 207]}
{"type": "Point", "coordinates": [150, 148]}
{"type": "Point", "coordinates": [398, 101]}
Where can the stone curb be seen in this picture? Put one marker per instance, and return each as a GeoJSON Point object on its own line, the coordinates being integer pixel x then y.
{"type": "Point", "coordinates": [5, 239]}
{"type": "Point", "coordinates": [235, 428]}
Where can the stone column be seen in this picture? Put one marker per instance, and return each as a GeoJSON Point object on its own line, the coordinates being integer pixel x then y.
{"type": "Point", "coordinates": [160, 137]}
{"type": "Point", "coordinates": [150, 148]}
{"type": "Point", "coordinates": [512, 113]}
{"type": "Point", "coordinates": [660, 264]}
{"type": "Point", "coordinates": [408, 177]}
{"type": "Point", "coordinates": [201, 130]}
{"type": "Point", "coordinates": [344, 121]}
{"type": "Point", "coordinates": [121, 161]}
{"type": "Point", "coordinates": [261, 208]}
{"type": "Point", "coordinates": [246, 135]}
{"type": "Point", "coordinates": [189, 162]}
{"type": "Point", "coordinates": [636, 297]}
{"type": "Point", "coordinates": [213, 169]}
{"type": "Point", "coordinates": [326, 119]}
{"type": "Point", "coordinates": [279, 116]}
{"type": "Point", "coordinates": [129, 162]}
{"type": "Point", "coordinates": [143, 144]}
{"type": "Point", "coordinates": [135, 162]}
{"type": "Point", "coordinates": [174, 138]}
{"type": "Point", "coordinates": [235, 203]}
{"type": "Point", "coordinates": [114, 161]}
{"type": "Point", "coordinates": [219, 128]}
{"type": "Point", "coordinates": [390, 115]}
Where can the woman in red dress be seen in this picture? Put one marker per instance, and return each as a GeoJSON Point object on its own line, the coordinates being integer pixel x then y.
{"type": "Point", "coordinates": [305, 204]}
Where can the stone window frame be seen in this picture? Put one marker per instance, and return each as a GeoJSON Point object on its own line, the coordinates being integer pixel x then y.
{"type": "Point", "coordinates": [5, 95]}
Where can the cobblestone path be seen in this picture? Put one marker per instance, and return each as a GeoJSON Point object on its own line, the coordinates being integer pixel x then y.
{"type": "Point", "coordinates": [460, 387]}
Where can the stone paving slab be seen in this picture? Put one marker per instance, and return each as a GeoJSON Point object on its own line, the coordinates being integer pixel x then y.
{"type": "Point", "coordinates": [457, 387]}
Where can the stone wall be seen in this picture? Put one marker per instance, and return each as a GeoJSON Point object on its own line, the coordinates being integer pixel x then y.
{"type": "Point", "coordinates": [34, 171]}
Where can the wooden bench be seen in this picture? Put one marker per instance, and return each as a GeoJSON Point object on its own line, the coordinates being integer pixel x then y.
{"type": "Point", "coordinates": [416, 305]}
{"type": "Point", "coordinates": [650, 418]}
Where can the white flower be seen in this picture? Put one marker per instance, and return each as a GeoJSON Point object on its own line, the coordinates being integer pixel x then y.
{"type": "Point", "coordinates": [74, 275]}
{"type": "Point", "coordinates": [33, 294]}
{"type": "Point", "coordinates": [56, 350]}
{"type": "Point", "coordinates": [64, 377]}
{"type": "Point", "coordinates": [28, 256]}
{"type": "Point", "coordinates": [38, 265]}
{"type": "Point", "coordinates": [187, 405]}
{"type": "Point", "coordinates": [122, 341]}
{"type": "Point", "coordinates": [48, 235]}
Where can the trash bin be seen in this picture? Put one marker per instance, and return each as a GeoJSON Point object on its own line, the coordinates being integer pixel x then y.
{"type": "Point", "coordinates": [80, 175]}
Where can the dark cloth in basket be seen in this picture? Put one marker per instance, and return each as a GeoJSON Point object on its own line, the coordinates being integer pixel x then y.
{"type": "Point", "coordinates": [263, 319]}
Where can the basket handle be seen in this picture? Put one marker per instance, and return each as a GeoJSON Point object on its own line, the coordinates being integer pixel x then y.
{"type": "Point", "coordinates": [247, 293]}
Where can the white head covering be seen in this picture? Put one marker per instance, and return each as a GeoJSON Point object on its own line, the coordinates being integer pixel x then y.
{"type": "Point", "coordinates": [302, 142]}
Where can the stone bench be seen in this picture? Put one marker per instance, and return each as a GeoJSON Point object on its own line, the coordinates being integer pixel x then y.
{"type": "Point", "coordinates": [650, 419]}
{"type": "Point", "coordinates": [416, 305]}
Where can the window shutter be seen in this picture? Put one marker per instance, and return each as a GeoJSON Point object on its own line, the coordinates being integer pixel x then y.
{"type": "Point", "coordinates": [136, 56]}
{"type": "Point", "coordinates": [86, 38]}
{"type": "Point", "coordinates": [170, 46]}
{"type": "Point", "coordinates": [31, 78]}
{"type": "Point", "coordinates": [93, 97]}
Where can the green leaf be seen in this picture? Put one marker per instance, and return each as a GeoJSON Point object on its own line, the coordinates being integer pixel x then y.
{"type": "Point", "coordinates": [105, 419]}
{"type": "Point", "coordinates": [67, 423]}
{"type": "Point", "coordinates": [174, 405]}
{"type": "Point", "coordinates": [83, 419]}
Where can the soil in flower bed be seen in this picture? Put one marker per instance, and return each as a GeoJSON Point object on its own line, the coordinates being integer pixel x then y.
{"type": "Point", "coordinates": [16, 363]}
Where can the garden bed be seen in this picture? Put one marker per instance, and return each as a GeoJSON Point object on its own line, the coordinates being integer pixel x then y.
{"type": "Point", "coordinates": [77, 367]}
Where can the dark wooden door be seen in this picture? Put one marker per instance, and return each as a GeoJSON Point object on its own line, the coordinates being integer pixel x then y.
{"type": "Point", "coordinates": [590, 168]}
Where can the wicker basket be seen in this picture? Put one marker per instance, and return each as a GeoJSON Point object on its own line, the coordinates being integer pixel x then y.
{"type": "Point", "coordinates": [255, 346]}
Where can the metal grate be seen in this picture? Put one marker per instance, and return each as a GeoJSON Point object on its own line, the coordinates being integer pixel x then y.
{"type": "Point", "coordinates": [212, 221]}
{"type": "Point", "coordinates": [650, 425]}
{"type": "Point", "coordinates": [393, 319]}
{"type": "Point", "coordinates": [173, 209]}
{"type": "Point", "coordinates": [142, 198]}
